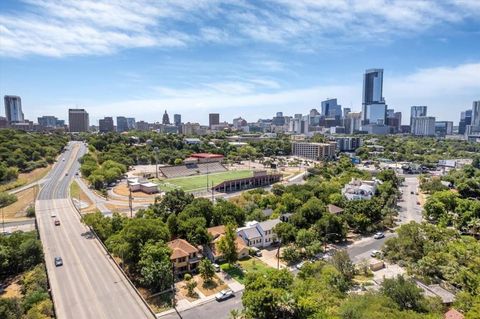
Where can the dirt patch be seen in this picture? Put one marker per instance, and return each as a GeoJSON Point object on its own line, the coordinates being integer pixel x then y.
{"type": "Point", "coordinates": [24, 178]}
{"type": "Point", "coordinates": [13, 290]}
{"type": "Point", "coordinates": [209, 289]}
{"type": "Point", "coordinates": [182, 292]}
{"type": "Point", "coordinates": [17, 210]}
{"type": "Point", "coordinates": [158, 303]}
{"type": "Point", "coordinates": [77, 193]}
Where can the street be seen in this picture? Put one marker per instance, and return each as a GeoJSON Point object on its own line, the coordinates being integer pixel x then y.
{"type": "Point", "coordinates": [88, 285]}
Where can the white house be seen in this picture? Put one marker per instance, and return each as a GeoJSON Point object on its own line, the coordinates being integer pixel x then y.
{"type": "Point", "coordinates": [360, 189]}
{"type": "Point", "coordinates": [257, 234]}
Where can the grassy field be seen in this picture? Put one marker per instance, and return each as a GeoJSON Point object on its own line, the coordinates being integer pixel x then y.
{"type": "Point", "coordinates": [199, 182]}
{"type": "Point", "coordinates": [249, 265]}
{"type": "Point", "coordinates": [24, 178]}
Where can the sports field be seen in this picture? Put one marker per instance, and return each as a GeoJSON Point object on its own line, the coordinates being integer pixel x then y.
{"type": "Point", "coordinates": [199, 182]}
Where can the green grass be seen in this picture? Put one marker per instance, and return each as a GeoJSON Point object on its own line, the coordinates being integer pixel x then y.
{"type": "Point", "coordinates": [199, 182]}
{"type": "Point", "coordinates": [74, 190]}
{"type": "Point", "coordinates": [247, 266]}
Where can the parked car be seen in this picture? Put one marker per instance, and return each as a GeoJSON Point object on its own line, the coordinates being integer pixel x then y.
{"type": "Point", "coordinates": [217, 267]}
{"type": "Point", "coordinates": [57, 222]}
{"type": "Point", "coordinates": [58, 261]}
{"type": "Point", "coordinates": [224, 295]}
{"type": "Point", "coordinates": [412, 192]}
{"type": "Point", "coordinates": [256, 252]}
{"type": "Point", "coordinates": [53, 214]}
{"type": "Point", "coordinates": [375, 253]}
{"type": "Point", "coordinates": [379, 235]}
{"type": "Point", "coordinates": [66, 174]}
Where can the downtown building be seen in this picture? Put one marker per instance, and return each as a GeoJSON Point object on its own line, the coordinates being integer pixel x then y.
{"type": "Point", "coordinates": [13, 109]}
{"type": "Point", "coordinates": [348, 143]}
{"type": "Point", "coordinates": [423, 126]}
{"type": "Point", "coordinates": [314, 151]}
{"type": "Point", "coordinates": [78, 120]}
{"type": "Point", "coordinates": [106, 125]}
{"type": "Point", "coordinates": [48, 122]}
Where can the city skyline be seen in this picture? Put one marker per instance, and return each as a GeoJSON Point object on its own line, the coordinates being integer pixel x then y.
{"type": "Point", "coordinates": [262, 58]}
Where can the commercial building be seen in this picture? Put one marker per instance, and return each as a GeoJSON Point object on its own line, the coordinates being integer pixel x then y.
{"type": "Point", "coordinates": [416, 111]}
{"type": "Point", "coordinates": [131, 124]}
{"type": "Point", "coordinates": [213, 119]}
{"type": "Point", "coordinates": [423, 126]}
{"type": "Point", "coordinates": [314, 151]}
{"type": "Point", "coordinates": [106, 125]}
{"type": "Point", "coordinates": [122, 125]}
{"type": "Point", "coordinates": [372, 99]}
{"type": "Point", "coordinates": [476, 113]}
{"type": "Point", "coordinates": [353, 122]}
{"type": "Point", "coordinates": [78, 120]}
{"type": "Point", "coordinates": [142, 126]}
{"type": "Point", "coordinates": [177, 119]}
{"type": "Point", "coordinates": [13, 109]}
{"type": "Point", "coordinates": [465, 119]}
{"type": "Point", "coordinates": [443, 128]}
{"type": "Point", "coordinates": [50, 122]}
{"type": "Point", "coordinates": [330, 108]}
{"type": "Point", "coordinates": [348, 144]}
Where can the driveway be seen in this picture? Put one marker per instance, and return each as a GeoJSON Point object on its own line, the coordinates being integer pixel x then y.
{"type": "Point", "coordinates": [269, 256]}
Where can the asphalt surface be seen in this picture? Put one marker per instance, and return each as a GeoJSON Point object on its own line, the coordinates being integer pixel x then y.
{"type": "Point", "coordinates": [88, 285]}
{"type": "Point", "coordinates": [210, 310]}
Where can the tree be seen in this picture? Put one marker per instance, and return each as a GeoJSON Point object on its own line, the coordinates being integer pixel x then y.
{"type": "Point", "coordinates": [226, 212]}
{"type": "Point", "coordinates": [206, 270]}
{"type": "Point", "coordinates": [190, 284]}
{"type": "Point", "coordinates": [155, 267]}
{"type": "Point", "coordinates": [290, 254]}
{"type": "Point", "coordinates": [7, 199]}
{"type": "Point", "coordinates": [286, 232]}
{"type": "Point", "coordinates": [404, 293]}
{"type": "Point", "coordinates": [343, 264]}
{"type": "Point", "coordinates": [227, 244]}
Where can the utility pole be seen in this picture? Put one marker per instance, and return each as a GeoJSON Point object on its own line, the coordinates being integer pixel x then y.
{"type": "Point", "coordinates": [130, 201]}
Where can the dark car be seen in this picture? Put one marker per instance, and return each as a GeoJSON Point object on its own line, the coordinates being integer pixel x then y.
{"type": "Point", "coordinates": [57, 222]}
{"type": "Point", "coordinates": [58, 261]}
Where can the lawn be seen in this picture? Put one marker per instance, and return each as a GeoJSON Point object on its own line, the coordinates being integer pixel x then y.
{"type": "Point", "coordinates": [18, 209]}
{"type": "Point", "coordinates": [249, 265]}
{"type": "Point", "coordinates": [199, 182]}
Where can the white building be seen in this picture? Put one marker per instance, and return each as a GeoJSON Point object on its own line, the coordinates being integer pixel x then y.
{"type": "Point", "coordinates": [314, 151]}
{"type": "Point", "coordinates": [360, 189]}
{"type": "Point", "coordinates": [257, 234]}
{"type": "Point", "coordinates": [423, 126]}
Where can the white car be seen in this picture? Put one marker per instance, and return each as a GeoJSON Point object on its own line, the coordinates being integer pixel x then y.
{"type": "Point", "coordinates": [374, 253]}
{"type": "Point", "coordinates": [224, 294]}
{"type": "Point", "coordinates": [379, 235]}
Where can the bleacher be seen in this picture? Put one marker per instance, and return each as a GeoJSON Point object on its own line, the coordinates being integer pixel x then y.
{"type": "Point", "coordinates": [192, 169]}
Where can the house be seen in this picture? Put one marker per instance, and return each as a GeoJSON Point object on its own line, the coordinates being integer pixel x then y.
{"type": "Point", "coordinates": [360, 189]}
{"type": "Point", "coordinates": [185, 257]}
{"type": "Point", "coordinates": [217, 234]}
{"type": "Point", "coordinates": [259, 235]}
{"type": "Point", "coordinates": [453, 314]}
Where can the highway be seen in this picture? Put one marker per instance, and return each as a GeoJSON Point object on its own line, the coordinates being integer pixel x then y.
{"type": "Point", "coordinates": [88, 285]}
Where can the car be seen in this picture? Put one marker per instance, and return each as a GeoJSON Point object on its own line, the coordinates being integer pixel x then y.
{"type": "Point", "coordinates": [63, 160]}
{"type": "Point", "coordinates": [375, 253]}
{"type": "Point", "coordinates": [224, 295]}
{"type": "Point", "coordinates": [57, 222]}
{"type": "Point", "coordinates": [66, 174]}
{"type": "Point", "coordinates": [58, 261]}
{"type": "Point", "coordinates": [418, 203]}
{"type": "Point", "coordinates": [412, 192]}
{"type": "Point", "coordinates": [256, 252]}
{"type": "Point", "coordinates": [76, 173]}
{"type": "Point", "coordinates": [217, 267]}
{"type": "Point", "coordinates": [379, 235]}
{"type": "Point", "coordinates": [53, 214]}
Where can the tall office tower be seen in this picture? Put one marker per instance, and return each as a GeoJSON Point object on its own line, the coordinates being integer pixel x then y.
{"type": "Point", "coordinates": [390, 112]}
{"type": "Point", "coordinates": [375, 114]}
{"type": "Point", "coordinates": [330, 108]}
{"type": "Point", "coordinates": [131, 123]}
{"type": "Point", "coordinates": [372, 94]}
{"type": "Point", "coordinates": [476, 113]}
{"type": "Point", "coordinates": [314, 112]}
{"type": "Point", "coordinates": [417, 111]}
{"type": "Point", "coordinates": [48, 121]}
{"type": "Point", "coordinates": [177, 119]}
{"type": "Point", "coordinates": [13, 109]}
{"type": "Point", "coordinates": [213, 119]}
{"type": "Point", "coordinates": [165, 118]}
{"type": "Point", "coordinates": [423, 126]}
{"type": "Point", "coordinates": [278, 119]}
{"type": "Point", "coordinates": [465, 120]}
{"type": "Point", "coordinates": [443, 128]}
{"type": "Point", "coordinates": [353, 122]}
{"type": "Point", "coordinates": [106, 124]}
{"type": "Point", "coordinates": [122, 125]}
{"type": "Point", "coordinates": [78, 120]}
{"type": "Point", "coordinates": [346, 110]}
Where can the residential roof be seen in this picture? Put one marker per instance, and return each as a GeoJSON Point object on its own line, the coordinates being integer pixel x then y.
{"type": "Point", "coordinates": [149, 184]}
{"type": "Point", "coordinates": [216, 231]}
{"type": "Point", "coordinates": [269, 224]}
{"type": "Point", "coordinates": [251, 232]}
{"type": "Point", "coordinates": [181, 248]}
{"type": "Point", "coordinates": [334, 209]}
{"type": "Point", "coordinates": [453, 314]}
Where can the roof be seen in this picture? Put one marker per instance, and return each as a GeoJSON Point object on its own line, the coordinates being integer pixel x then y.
{"type": "Point", "coordinates": [334, 209]}
{"type": "Point", "coordinates": [269, 224]}
{"type": "Point", "coordinates": [206, 155]}
{"type": "Point", "coordinates": [453, 314]}
{"type": "Point", "coordinates": [181, 248]}
{"type": "Point", "coordinates": [239, 244]}
{"type": "Point", "coordinates": [149, 184]}
{"type": "Point", "coordinates": [251, 232]}
{"type": "Point", "coordinates": [216, 231]}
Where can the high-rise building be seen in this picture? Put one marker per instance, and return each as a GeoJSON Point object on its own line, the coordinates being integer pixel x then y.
{"type": "Point", "coordinates": [142, 126]}
{"type": "Point", "coordinates": [423, 126]}
{"type": "Point", "coordinates": [443, 128]}
{"type": "Point", "coordinates": [417, 111]}
{"type": "Point", "coordinates": [465, 120]}
{"type": "Point", "coordinates": [314, 151]}
{"type": "Point", "coordinates": [372, 93]}
{"type": "Point", "coordinates": [213, 119]}
{"type": "Point", "coordinates": [330, 108]}
{"type": "Point", "coordinates": [278, 119]}
{"type": "Point", "coordinates": [177, 119]}
{"type": "Point", "coordinates": [346, 110]}
{"type": "Point", "coordinates": [476, 113]}
{"type": "Point", "coordinates": [131, 124]}
{"type": "Point", "coordinates": [13, 109]}
{"type": "Point", "coordinates": [78, 120]}
{"type": "Point", "coordinates": [375, 113]}
{"type": "Point", "coordinates": [352, 122]}
{"type": "Point", "coordinates": [122, 125]}
{"type": "Point", "coordinates": [106, 124]}
{"type": "Point", "coordinates": [165, 118]}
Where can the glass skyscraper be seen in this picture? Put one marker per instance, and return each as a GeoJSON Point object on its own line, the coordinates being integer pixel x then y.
{"type": "Point", "coordinates": [373, 103]}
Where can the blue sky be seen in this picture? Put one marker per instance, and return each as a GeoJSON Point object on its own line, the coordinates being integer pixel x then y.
{"type": "Point", "coordinates": [238, 58]}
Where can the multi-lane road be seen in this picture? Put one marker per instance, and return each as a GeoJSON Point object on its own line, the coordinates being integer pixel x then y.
{"type": "Point", "coordinates": [88, 285]}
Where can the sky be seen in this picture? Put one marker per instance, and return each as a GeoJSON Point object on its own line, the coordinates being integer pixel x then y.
{"type": "Point", "coordinates": [138, 58]}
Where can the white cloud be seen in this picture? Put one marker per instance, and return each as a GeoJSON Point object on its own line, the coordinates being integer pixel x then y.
{"type": "Point", "coordinates": [445, 90]}
{"type": "Point", "coordinates": [85, 27]}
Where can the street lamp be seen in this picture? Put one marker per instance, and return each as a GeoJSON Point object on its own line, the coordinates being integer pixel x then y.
{"type": "Point", "coordinates": [155, 149]}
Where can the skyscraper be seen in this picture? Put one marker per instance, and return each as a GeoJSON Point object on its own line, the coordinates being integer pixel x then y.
{"type": "Point", "coordinates": [213, 119]}
{"type": "Point", "coordinates": [13, 109]}
{"type": "Point", "coordinates": [131, 124]}
{"type": "Point", "coordinates": [423, 126]}
{"type": "Point", "coordinates": [373, 103]}
{"type": "Point", "coordinates": [78, 120]}
{"type": "Point", "coordinates": [465, 120]}
{"type": "Point", "coordinates": [165, 118]}
{"type": "Point", "coordinates": [476, 113]}
{"type": "Point", "coordinates": [122, 125]}
{"type": "Point", "coordinates": [106, 124]}
{"type": "Point", "coordinates": [417, 111]}
{"type": "Point", "coordinates": [330, 108]}
{"type": "Point", "coordinates": [177, 119]}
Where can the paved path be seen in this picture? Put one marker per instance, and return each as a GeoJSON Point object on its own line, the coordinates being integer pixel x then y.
{"type": "Point", "coordinates": [88, 285]}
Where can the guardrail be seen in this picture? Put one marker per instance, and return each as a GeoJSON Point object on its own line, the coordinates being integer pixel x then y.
{"type": "Point", "coordinates": [114, 261]}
